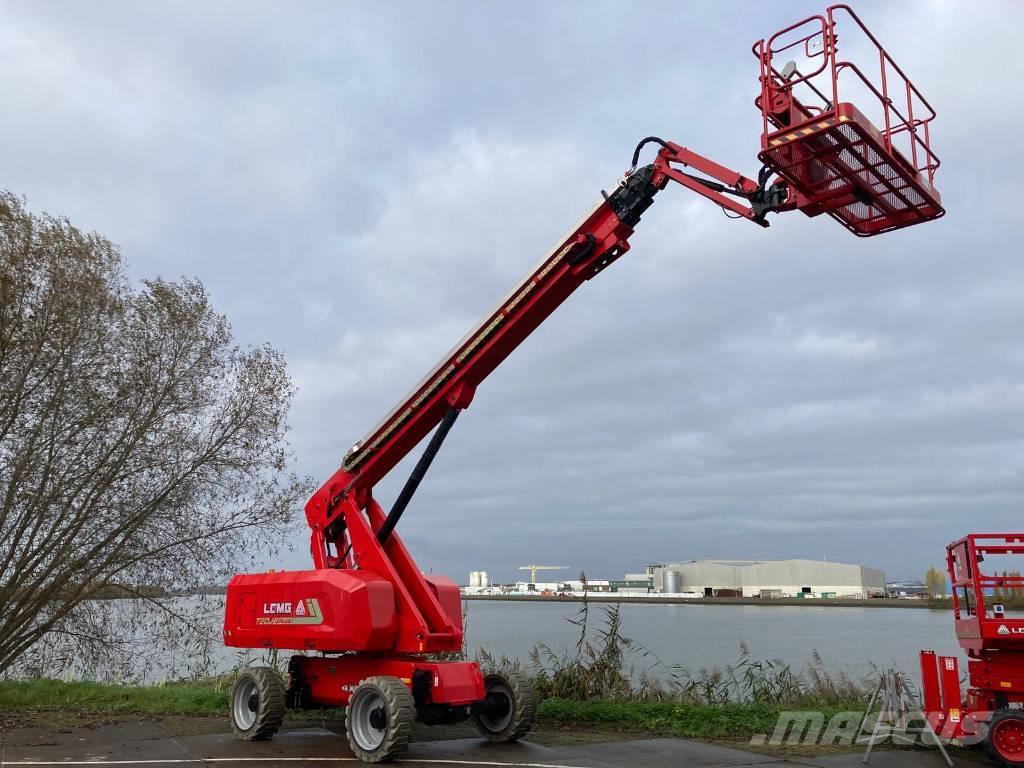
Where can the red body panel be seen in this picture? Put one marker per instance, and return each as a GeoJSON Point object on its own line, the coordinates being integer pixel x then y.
{"type": "Point", "coordinates": [323, 610]}
{"type": "Point", "coordinates": [931, 698]}
{"type": "Point", "coordinates": [949, 682]}
{"type": "Point", "coordinates": [332, 680]}
{"type": "Point", "coordinates": [311, 610]}
{"type": "Point", "coordinates": [448, 595]}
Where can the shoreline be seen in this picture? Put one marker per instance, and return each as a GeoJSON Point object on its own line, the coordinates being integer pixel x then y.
{"type": "Point", "coordinates": [599, 597]}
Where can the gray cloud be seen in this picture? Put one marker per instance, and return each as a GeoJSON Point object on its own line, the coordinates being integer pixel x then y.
{"type": "Point", "coordinates": [359, 183]}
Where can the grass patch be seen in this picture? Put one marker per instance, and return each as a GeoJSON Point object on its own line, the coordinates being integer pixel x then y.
{"type": "Point", "coordinates": [185, 698]}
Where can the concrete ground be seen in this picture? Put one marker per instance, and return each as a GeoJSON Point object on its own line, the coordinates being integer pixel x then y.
{"type": "Point", "coordinates": [168, 743]}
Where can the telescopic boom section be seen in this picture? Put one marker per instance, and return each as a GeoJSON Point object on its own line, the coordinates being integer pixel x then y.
{"type": "Point", "coordinates": [599, 239]}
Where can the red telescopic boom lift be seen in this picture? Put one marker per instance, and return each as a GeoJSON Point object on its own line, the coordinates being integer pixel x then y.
{"type": "Point", "coordinates": [371, 628]}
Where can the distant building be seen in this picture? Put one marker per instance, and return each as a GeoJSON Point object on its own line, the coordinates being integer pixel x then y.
{"type": "Point", "coordinates": [907, 589]}
{"type": "Point", "coordinates": [768, 579]}
{"type": "Point", "coordinates": [635, 584]}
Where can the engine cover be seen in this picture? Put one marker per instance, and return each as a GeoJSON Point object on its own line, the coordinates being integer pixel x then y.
{"type": "Point", "coordinates": [323, 610]}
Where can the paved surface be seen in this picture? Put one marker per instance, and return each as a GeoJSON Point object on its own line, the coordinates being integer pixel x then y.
{"type": "Point", "coordinates": [152, 743]}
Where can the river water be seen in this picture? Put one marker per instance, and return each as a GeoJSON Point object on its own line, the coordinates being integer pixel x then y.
{"type": "Point", "coordinates": [696, 637]}
{"type": "Point", "coordinates": [669, 638]}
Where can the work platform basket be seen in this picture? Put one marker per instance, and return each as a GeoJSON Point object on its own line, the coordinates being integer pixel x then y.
{"type": "Point", "coordinates": [871, 167]}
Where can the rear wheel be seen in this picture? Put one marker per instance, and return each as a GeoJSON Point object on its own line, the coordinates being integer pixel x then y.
{"type": "Point", "coordinates": [257, 703]}
{"type": "Point", "coordinates": [1005, 740]}
{"type": "Point", "coordinates": [379, 718]}
{"type": "Point", "coordinates": [509, 706]}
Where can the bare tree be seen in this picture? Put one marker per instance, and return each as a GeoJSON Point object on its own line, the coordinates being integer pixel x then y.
{"type": "Point", "coordinates": [141, 450]}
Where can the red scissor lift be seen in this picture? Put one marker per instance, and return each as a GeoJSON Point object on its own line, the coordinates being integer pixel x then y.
{"type": "Point", "coordinates": [871, 167]}
{"type": "Point", "coordinates": [991, 632]}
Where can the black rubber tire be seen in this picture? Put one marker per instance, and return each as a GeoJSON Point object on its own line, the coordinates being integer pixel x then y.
{"type": "Point", "coordinates": [511, 683]}
{"type": "Point", "coordinates": [1009, 753]}
{"type": "Point", "coordinates": [399, 714]}
{"type": "Point", "coordinates": [267, 711]}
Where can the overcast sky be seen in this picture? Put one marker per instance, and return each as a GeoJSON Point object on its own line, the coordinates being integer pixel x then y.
{"type": "Point", "coordinates": [358, 183]}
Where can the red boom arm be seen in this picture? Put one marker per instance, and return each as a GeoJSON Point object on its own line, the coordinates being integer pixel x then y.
{"type": "Point", "coordinates": [597, 240]}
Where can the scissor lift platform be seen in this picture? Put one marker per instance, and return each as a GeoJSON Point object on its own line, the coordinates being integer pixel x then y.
{"type": "Point", "coordinates": [990, 629]}
{"type": "Point", "coordinates": [871, 179]}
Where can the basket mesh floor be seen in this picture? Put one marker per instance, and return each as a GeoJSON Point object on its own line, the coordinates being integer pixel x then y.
{"type": "Point", "coordinates": [839, 162]}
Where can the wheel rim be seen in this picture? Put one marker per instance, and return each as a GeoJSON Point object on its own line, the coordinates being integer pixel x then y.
{"type": "Point", "coordinates": [1008, 739]}
{"type": "Point", "coordinates": [500, 698]}
{"type": "Point", "coordinates": [246, 703]}
{"type": "Point", "coordinates": [369, 720]}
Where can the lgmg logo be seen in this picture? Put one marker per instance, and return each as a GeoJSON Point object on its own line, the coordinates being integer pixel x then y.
{"type": "Point", "coordinates": [305, 611]}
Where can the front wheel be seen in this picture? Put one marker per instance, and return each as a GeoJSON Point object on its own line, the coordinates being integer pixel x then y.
{"type": "Point", "coordinates": [508, 707]}
{"type": "Point", "coordinates": [257, 703]}
{"type": "Point", "coordinates": [1005, 742]}
{"type": "Point", "coordinates": [379, 718]}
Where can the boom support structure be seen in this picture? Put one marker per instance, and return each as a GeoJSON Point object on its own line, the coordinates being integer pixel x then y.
{"type": "Point", "coordinates": [597, 241]}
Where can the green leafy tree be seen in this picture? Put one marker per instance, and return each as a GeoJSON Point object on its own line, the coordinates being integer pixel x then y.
{"type": "Point", "coordinates": [142, 452]}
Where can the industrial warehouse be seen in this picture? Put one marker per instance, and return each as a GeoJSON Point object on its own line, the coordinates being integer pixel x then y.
{"type": "Point", "coordinates": [762, 579]}
{"type": "Point", "coordinates": [759, 578]}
